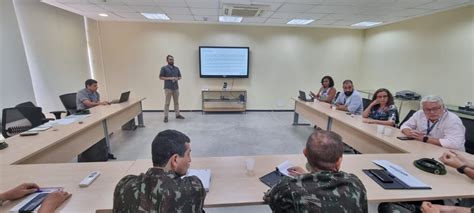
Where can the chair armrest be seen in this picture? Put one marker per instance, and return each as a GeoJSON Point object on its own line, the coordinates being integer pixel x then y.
{"type": "Point", "coordinates": [57, 114]}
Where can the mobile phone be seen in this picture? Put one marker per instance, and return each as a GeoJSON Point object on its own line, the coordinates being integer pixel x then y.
{"type": "Point", "coordinates": [405, 138]}
{"type": "Point", "coordinates": [382, 176]}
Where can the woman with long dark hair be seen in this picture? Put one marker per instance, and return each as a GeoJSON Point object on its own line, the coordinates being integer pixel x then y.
{"type": "Point", "coordinates": [382, 109]}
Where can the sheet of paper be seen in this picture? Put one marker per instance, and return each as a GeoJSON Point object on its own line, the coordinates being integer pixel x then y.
{"type": "Point", "coordinates": [283, 167]}
{"type": "Point", "coordinates": [400, 173]}
{"type": "Point", "coordinates": [203, 174]}
{"type": "Point", "coordinates": [33, 195]}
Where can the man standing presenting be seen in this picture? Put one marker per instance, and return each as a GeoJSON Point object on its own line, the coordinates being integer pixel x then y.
{"type": "Point", "coordinates": [171, 75]}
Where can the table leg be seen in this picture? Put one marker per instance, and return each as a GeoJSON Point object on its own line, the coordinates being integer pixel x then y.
{"type": "Point", "coordinates": [106, 134]}
{"type": "Point", "coordinates": [140, 117]}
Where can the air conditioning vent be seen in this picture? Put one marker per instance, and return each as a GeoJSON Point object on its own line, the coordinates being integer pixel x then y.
{"type": "Point", "coordinates": [243, 10]}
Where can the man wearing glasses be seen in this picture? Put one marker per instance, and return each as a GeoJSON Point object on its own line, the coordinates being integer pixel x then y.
{"type": "Point", "coordinates": [435, 125]}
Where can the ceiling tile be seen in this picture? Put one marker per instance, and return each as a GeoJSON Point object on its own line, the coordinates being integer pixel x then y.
{"type": "Point", "coordinates": [409, 12]}
{"type": "Point", "coordinates": [171, 3]}
{"type": "Point", "coordinates": [304, 1]}
{"type": "Point", "coordinates": [212, 4]}
{"type": "Point", "coordinates": [204, 12]}
{"type": "Point", "coordinates": [176, 10]}
{"type": "Point", "coordinates": [277, 21]}
{"type": "Point", "coordinates": [295, 8]}
{"type": "Point", "coordinates": [235, 2]}
{"type": "Point", "coordinates": [443, 4]}
{"type": "Point", "coordinates": [254, 20]}
{"type": "Point", "coordinates": [117, 8]}
{"type": "Point", "coordinates": [73, 1]}
{"type": "Point", "coordinates": [148, 9]}
{"type": "Point", "coordinates": [130, 15]}
{"type": "Point", "coordinates": [206, 18]}
{"type": "Point", "coordinates": [332, 9]}
{"type": "Point", "coordinates": [181, 17]}
{"type": "Point", "coordinates": [107, 2]}
{"type": "Point", "coordinates": [139, 2]}
{"type": "Point", "coordinates": [87, 7]}
{"type": "Point", "coordinates": [324, 22]}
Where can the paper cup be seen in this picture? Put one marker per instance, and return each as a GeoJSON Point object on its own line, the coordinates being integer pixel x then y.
{"type": "Point", "coordinates": [249, 166]}
{"type": "Point", "coordinates": [380, 129]}
{"type": "Point", "coordinates": [387, 131]}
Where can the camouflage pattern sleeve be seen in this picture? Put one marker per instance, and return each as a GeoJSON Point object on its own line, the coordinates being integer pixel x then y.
{"type": "Point", "coordinates": [280, 197]}
{"type": "Point", "coordinates": [119, 195]}
{"type": "Point", "coordinates": [194, 200]}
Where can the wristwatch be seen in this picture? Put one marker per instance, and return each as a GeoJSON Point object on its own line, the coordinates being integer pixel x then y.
{"type": "Point", "coordinates": [425, 139]}
{"type": "Point", "coordinates": [461, 169]}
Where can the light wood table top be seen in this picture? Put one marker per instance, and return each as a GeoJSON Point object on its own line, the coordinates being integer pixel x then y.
{"type": "Point", "coordinates": [24, 147]}
{"type": "Point", "coordinates": [99, 195]}
{"type": "Point", "coordinates": [355, 125]}
{"type": "Point", "coordinates": [231, 186]}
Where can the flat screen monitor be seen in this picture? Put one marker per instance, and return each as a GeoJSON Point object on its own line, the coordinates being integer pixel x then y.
{"type": "Point", "coordinates": [223, 62]}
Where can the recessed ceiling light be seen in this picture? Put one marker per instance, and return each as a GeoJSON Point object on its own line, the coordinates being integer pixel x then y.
{"type": "Point", "coordinates": [103, 14]}
{"type": "Point", "coordinates": [158, 16]}
{"type": "Point", "coordinates": [230, 19]}
{"type": "Point", "coordinates": [300, 21]}
{"type": "Point", "coordinates": [366, 24]}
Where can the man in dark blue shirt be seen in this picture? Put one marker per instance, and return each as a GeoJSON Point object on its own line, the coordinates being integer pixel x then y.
{"type": "Point", "coordinates": [171, 75]}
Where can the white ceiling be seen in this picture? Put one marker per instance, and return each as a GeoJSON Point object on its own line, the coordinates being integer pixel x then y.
{"type": "Point", "coordinates": [326, 13]}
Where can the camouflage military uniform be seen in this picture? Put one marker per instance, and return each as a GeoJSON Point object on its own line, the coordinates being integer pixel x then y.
{"type": "Point", "coordinates": [318, 192]}
{"type": "Point", "coordinates": [159, 191]}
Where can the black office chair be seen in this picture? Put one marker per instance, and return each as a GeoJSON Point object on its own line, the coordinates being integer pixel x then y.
{"type": "Point", "coordinates": [57, 114]}
{"type": "Point", "coordinates": [19, 119]}
{"type": "Point", "coordinates": [366, 102]}
{"type": "Point", "coordinates": [469, 124]}
{"type": "Point", "coordinates": [69, 102]}
{"type": "Point", "coordinates": [407, 117]}
{"type": "Point", "coordinates": [335, 97]}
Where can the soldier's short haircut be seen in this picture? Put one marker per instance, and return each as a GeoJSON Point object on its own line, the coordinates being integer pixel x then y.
{"type": "Point", "coordinates": [324, 148]}
{"type": "Point", "coordinates": [166, 144]}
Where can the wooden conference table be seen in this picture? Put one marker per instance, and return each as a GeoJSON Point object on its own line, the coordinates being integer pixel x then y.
{"type": "Point", "coordinates": [231, 186]}
{"type": "Point", "coordinates": [62, 143]}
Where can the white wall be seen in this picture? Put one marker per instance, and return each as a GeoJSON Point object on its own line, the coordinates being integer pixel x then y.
{"type": "Point", "coordinates": [282, 59]}
{"type": "Point", "coordinates": [15, 80]}
{"type": "Point", "coordinates": [430, 55]}
{"type": "Point", "coordinates": [56, 50]}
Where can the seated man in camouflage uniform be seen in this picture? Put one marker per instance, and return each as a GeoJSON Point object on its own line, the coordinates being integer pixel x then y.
{"type": "Point", "coordinates": [324, 188]}
{"type": "Point", "coordinates": [162, 188]}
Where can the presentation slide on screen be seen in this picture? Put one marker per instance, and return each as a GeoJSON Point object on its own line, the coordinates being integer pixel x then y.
{"type": "Point", "coordinates": [224, 61]}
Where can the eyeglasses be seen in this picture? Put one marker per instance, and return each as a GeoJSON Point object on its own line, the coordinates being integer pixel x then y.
{"type": "Point", "coordinates": [434, 109]}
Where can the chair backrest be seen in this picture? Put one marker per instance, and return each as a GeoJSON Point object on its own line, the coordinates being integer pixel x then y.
{"type": "Point", "coordinates": [366, 102]}
{"type": "Point", "coordinates": [26, 104]}
{"type": "Point", "coordinates": [408, 116]}
{"type": "Point", "coordinates": [335, 97]}
{"type": "Point", "coordinates": [19, 119]}
{"type": "Point", "coordinates": [69, 102]}
{"type": "Point", "coordinates": [29, 104]}
{"type": "Point", "coordinates": [469, 124]}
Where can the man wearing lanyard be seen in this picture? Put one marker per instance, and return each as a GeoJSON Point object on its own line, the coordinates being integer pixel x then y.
{"type": "Point", "coordinates": [435, 125]}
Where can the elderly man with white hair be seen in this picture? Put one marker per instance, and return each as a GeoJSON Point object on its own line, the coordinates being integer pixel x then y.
{"type": "Point", "coordinates": [435, 125]}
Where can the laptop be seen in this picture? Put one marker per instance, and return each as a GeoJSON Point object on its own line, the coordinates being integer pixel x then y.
{"type": "Point", "coordinates": [123, 98]}
{"type": "Point", "coordinates": [303, 97]}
